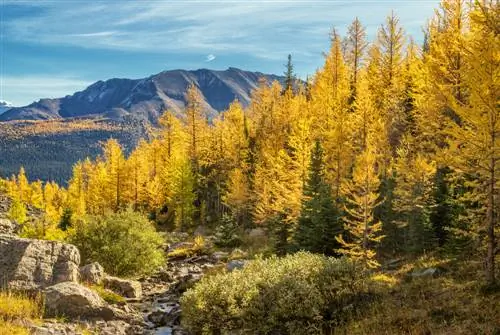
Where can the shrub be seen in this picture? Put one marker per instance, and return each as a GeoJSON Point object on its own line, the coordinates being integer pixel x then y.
{"type": "Point", "coordinates": [18, 310]}
{"type": "Point", "coordinates": [196, 248]}
{"type": "Point", "coordinates": [298, 294]}
{"type": "Point", "coordinates": [124, 243]}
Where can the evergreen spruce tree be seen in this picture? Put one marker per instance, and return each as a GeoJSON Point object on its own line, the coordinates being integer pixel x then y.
{"type": "Point", "coordinates": [320, 221]}
{"type": "Point", "coordinates": [289, 76]}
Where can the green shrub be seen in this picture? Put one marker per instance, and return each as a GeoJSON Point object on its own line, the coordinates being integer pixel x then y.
{"type": "Point", "coordinates": [125, 243]}
{"type": "Point", "coordinates": [298, 294]}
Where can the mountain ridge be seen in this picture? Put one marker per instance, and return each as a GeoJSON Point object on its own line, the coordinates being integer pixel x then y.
{"type": "Point", "coordinates": [146, 98]}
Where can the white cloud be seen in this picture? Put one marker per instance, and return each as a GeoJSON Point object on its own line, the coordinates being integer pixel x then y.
{"type": "Point", "coordinates": [200, 26]}
{"type": "Point", "coordinates": [210, 57]}
{"type": "Point", "coordinates": [23, 90]}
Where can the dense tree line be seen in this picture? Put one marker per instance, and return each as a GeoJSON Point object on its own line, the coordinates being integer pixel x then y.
{"type": "Point", "coordinates": [391, 148]}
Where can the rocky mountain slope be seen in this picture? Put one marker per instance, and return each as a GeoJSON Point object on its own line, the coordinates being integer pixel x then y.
{"type": "Point", "coordinates": [5, 106]}
{"type": "Point", "coordinates": [146, 99]}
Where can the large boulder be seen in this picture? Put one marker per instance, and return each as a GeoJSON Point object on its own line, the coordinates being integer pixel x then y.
{"type": "Point", "coordinates": [27, 264]}
{"type": "Point", "coordinates": [92, 273]}
{"type": "Point", "coordinates": [124, 287]}
{"type": "Point", "coordinates": [75, 301]}
{"type": "Point", "coordinates": [8, 227]}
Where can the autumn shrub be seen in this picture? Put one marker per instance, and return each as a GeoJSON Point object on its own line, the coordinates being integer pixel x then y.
{"type": "Point", "coordinates": [16, 311]}
{"type": "Point", "coordinates": [299, 294]}
{"type": "Point", "coordinates": [125, 243]}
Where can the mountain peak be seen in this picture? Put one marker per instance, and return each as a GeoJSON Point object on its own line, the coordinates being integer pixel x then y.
{"type": "Point", "coordinates": [147, 98]}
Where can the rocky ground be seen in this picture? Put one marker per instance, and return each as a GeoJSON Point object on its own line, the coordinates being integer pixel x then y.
{"type": "Point", "coordinates": [151, 304]}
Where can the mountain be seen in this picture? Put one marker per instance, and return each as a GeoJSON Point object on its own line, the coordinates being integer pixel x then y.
{"type": "Point", "coordinates": [146, 99]}
{"type": "Point", "coordinates": [5, 106]}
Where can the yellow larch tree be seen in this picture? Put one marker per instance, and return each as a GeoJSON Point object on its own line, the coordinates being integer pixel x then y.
{"type": "Point", "coordinates": [474, 141]}
{"type": "Point", "coordinates": [330, 104]}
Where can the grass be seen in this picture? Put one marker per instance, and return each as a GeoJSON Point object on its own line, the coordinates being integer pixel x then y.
{"type": "Point", "coordinates": [453, 303]}
{"type": "Point", "coordinates": [109, 296]}
{"type": "Point", "coordinates": [17, 312]}
{"type": "Point", "coordinates": [198, 248]}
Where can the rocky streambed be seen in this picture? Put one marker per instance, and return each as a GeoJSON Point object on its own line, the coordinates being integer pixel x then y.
{"type": "Point", "coordinates": [162, 291]}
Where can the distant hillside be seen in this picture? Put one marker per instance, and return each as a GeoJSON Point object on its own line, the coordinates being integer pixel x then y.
{"type": "Point", "coordinates": [146, 99]}
{"type": "Point", "coordinates": [49, 136]}
{"type": "Point", "coordinates": [48, 149]}
{"type": "Point", "coordinates": [5, 106]}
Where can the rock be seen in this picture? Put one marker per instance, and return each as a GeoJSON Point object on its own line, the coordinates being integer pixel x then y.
{"type": "Point", "coordinates": [8, 227]}
{"type": "Point", "coordinates": [220, 256]}
{"type": "Point", "coordinates": [82, 328]}
{"type": "Point", "coordinates": [28, 264]}
{"type": "Point", "coordinates": [124, 287]}
{"type": "Point", "coordinates": [235, 264]}
{"type": "Point", "coordinates": [238, 254]}
{"type": "Point", "coordinates": [256, 233]}
{"type": "Point", "coordinates": [427, 273]}
{"type": "Point", "coordinates": [74, 300]}
{"type": "Point", "coordinates": [79, 302]}
{"type": "Point", "coordinates": [201, 231]}
{"type": "Point", "coordinates": [92, 273]}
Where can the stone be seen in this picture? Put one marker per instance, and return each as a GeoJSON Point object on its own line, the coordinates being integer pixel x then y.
{"type": "Point", "coordinates": [257, 233]}
{"type": "Point", "coordinates": [28, 264]}
{"type": "Point", "coordinates": [427, 273]}
{"type": "Point", "coordinates": [8, 227]}
{"type": "Point", "coordinates": [92, 273]}
{"type": "Point", "coordinates": [74, 300]}
{"type": "Point", "coordinates": [124, 287]}
{"type": "Point", "coordinates": [220, 256]}
{"type": "Point", "coordinates": [235, 264]}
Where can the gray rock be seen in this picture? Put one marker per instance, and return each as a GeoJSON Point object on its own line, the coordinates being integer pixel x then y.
{"type": "Point", "coordinates": [235, 264]}
{"type": "Point", "coordinates": [427, 273]}
{"type": "Point", "coordinates": [92, 273]}
{"type": "Point", "coordinates": [28, 264]}
{"type": "Point", "coordinates": [124, 287]}
{"type": "Point", "coordinates": [8, 227]}
{"type": "Point", "coordinates": [220, 256]}
{"type": "Point", "coordinates": [74, 300]}
{"type": "Point", "coordinates": [79, 302]}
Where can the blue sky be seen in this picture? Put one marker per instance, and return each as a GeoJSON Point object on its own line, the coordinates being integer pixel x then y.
{"type": "Point", "coordinates": [51, 48]}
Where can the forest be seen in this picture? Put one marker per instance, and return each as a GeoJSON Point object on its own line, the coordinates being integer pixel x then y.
{"type": "Point", "coordinates": [390, 150]}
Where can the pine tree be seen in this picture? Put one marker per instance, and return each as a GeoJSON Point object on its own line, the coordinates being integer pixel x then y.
{"type": "Point", "coordinates": [320, 221]}
{"type": "Point", "coordinates": [289, 76]}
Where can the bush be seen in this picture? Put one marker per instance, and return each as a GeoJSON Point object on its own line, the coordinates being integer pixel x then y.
{"type": "Point", "coordinates": [298, 294]}
{"type": "Point", "coordinates": [16, 311]}
{"type": "Point", "coordinates": [125, 243]}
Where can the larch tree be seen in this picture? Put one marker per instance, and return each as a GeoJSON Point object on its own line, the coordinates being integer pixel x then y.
{"type": "Point", "coordinates": [118, 175]}
{"type": "Point", "coordinates": [355, 49]}
{"type": "Point", "coordinates": [474, 141]}
{"type": "Point", "coordinates": [363, 232]}
{"type": "Point", "coordinates": [331, 114]}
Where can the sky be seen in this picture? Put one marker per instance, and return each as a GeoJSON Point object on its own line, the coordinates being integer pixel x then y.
{"type": "Point", "coordinates": [52, 48]}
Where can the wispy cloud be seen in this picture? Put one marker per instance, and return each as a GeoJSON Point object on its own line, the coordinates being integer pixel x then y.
{"type": "Point", "coordinates": [198, 26]}
{"type": "Point", "coordinates": [210, 57]}
{"type": "Point", "coordinates": [96, 34]}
